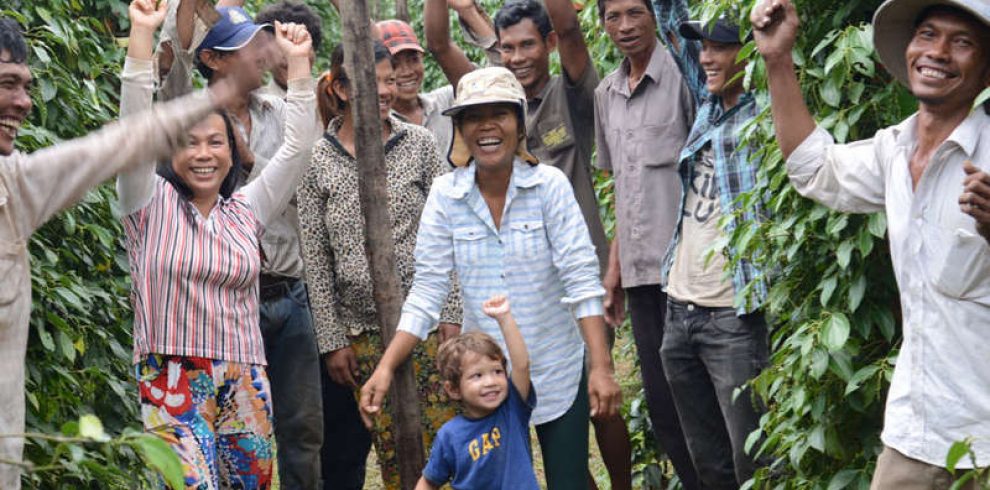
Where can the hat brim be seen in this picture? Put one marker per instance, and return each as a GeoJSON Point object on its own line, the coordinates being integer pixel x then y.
{"type": "Point", "coordinates": [893, 29]}
{"type": "Point", "coordinates": [400, 47]}
{"type": "Point", "coordinates": [242, 37]}
{"type": "Point", "coordinates": [457, 109]}
{"type": "Point", "coordinates": [697, 30]}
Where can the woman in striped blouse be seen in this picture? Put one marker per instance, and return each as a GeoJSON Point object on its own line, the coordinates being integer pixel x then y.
{"type": "Point", "coordinates": [192, 241]}
{"type": "Point", "coordinates": [509, 226]}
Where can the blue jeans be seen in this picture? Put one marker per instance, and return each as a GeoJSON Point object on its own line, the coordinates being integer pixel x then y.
{"type": "Point", "coordinates": [294, 373]}
{"type": "Point", "coordinates": [707, 353]}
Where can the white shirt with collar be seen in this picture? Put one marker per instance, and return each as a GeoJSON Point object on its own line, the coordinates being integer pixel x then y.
{"type": "Point", "coordinates": [939, 393]}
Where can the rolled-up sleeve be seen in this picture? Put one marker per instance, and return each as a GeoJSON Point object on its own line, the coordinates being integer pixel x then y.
{"type": "Point", "coordinates": [434, 262]}
{"type": "Point", "coordinates": [847, 178]}
{"type": "Point", "coordinates": [572, 253]}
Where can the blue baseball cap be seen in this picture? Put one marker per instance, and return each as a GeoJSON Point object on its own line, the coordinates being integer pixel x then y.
{"type": "Point", "coordinates": [232, 31]}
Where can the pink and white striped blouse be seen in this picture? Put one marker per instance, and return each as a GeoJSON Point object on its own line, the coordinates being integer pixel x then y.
{"type": "Point", "coordinates": [195, 277]}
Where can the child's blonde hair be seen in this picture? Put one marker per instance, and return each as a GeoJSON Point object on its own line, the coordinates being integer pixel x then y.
{"type": "Point", "coordinates": [451, 353]}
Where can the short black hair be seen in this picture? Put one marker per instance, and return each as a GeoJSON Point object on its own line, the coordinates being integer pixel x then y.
{"type": "Point", "coordinates": [601, 8]}
{"type": "Point", "coordinates": [230, 182]}
{"type": "Point", "coordinates": [339, 73]}
{"type": "Point", "coordinates": [515, 11]}
{"type": "Point", "coordinates": [12, 42]}
{"type": "Point", "coordinates": [290, 11]}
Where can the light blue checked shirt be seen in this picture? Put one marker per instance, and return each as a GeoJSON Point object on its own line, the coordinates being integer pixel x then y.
{"type": "Point", "coordinates": [541, 258]}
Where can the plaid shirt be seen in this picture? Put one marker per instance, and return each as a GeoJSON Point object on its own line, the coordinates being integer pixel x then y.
{"type": "Point", "coordinates": [713, 125]}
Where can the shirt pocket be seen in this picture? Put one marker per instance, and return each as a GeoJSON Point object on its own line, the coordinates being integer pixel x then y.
{"type": "Point", "coordinates": [529, 238]}
{"type": "Point", "coordinates": [12, 270]}
{"type": "Point", "coordinates": [552, 136]}
{"type": "Point", "coordinates": [470, 246]}
{"type": "Point", "coordinates": [962, 266]}
{"type": "Point", "coordinates": [653, 146]}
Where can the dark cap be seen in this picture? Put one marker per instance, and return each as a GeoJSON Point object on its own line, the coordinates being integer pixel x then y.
{"type": "Point", "coordinates": [233, 30]}
{"type": "Point", "coordinates": [721, 31]}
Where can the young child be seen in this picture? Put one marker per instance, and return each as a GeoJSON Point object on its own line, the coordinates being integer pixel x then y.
{"type": "Point", "coordinates": [487, 447]}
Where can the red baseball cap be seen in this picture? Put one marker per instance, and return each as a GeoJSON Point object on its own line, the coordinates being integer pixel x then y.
{"type": "Point", "coordinates": [398, 36]}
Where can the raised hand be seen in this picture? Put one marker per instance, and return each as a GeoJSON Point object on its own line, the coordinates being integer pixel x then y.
{"type": "Point", "coordinates": [459, 5]}
{"type": "Point", "coordinates": [975, 198]}
{"type": "Point", "coordinates": [293, 40]}
{"type": "Point", "coordinates": [497, 307]}
{"type": "Point", "coordinates": [147, 14]}
{"type": "Point", "coordinates": [775, 27]}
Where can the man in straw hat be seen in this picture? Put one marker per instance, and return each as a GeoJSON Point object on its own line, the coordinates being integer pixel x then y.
{"type": "Point", "coordinates": [510, 226]}
{"type": "Point", "coordinates": [929, 175]}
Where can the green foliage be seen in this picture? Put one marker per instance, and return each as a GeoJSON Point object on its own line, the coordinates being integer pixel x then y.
{"type": "Point", "coordinates": [833, 345]}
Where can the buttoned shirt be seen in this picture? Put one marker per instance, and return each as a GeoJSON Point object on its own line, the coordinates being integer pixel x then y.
{"type": "Point", "coordinates": [560, 131]}
{"type": "Point", "coordinates": [938, 394]}
{"type": "Point", "coordinates": [540, 256]}
{"type": "Point", "coordinates": [640, 134]}
{"type": "Point", "coordinates": [333, 232]}
{"type": "Point", "coordinates": [32, 189]}
{"type": "Point", "coordinates": [195, 277]}
{"type": "Point", "coordinates": [722, 130]}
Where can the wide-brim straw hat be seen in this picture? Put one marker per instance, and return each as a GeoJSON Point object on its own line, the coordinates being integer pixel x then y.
{"type": "Point", "coordinates": [492, 85]}
{"type": "Point", "coordinates": [894, 25]}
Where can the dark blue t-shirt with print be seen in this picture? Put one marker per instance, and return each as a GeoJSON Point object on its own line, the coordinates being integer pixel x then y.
{"type": "Point", "coordinates": [490, 453]}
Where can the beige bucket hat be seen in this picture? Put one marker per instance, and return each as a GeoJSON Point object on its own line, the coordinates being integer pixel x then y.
{"type": "Point", "coordinates": [893, 28]}
{"type": "Point", "coordinates": [492, 85]}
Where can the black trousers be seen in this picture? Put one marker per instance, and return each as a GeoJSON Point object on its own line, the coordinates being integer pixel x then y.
{"type": "Point", "coordinates": [346, 442]}
{"type": "Point", "coordinates": [647, 310]}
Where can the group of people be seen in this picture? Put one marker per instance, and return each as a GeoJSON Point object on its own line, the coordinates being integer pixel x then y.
{"type": "Point", "coordinates": [256, 339]}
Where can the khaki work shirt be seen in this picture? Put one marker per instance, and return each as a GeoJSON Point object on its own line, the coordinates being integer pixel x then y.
{"type": "Point", "coordinates": [32, 189]}
{"type": "Point", "coordinates": [560, 127]}
{"type": "Point", "coordinates": [639, 134]}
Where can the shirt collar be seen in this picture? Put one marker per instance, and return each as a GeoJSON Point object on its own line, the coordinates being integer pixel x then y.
{"type": "Point", "coordinates": [524, 175]}
{"type": "Point", "coordinates": [654, 70]}
{"type": "Point", "coordinates": [966, 135]}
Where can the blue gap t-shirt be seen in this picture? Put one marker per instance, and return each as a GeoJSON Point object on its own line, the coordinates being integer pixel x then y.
{"type": "Point", "coordinates": [490, 453]}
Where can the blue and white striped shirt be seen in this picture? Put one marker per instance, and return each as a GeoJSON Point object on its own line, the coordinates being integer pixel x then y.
{"type": "Point", "coordinates": [541, 257]}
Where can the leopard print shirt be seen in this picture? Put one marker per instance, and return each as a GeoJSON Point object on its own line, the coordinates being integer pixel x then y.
{"type": "Point", "coordinates": [332, 230]}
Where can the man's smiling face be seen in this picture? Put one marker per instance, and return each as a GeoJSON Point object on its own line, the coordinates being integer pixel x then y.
{"type": "Point", "coordinates": [15, 100]}
{"type": "Point", "coordinates": [947, 59]}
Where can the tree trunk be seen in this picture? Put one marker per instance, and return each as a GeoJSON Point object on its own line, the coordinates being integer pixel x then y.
{"type": "Point", "coordinates": [402, 10]}
{"type": "Point", "coordinates": [360, 64]}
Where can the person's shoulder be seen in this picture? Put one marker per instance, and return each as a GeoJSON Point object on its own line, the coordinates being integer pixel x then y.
{"type": "Point", "coordinates": [414, 132]}
{"type": "Point", "coordinates": [550, 175]}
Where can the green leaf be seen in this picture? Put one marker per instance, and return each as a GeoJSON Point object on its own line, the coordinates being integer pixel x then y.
{"type": "Point", "coordinates": [862, 375]}
{"type": "Point", "coordinates": [843, 254]}
{"type": "Point", "coordinates": [842, 479]}
{"type": "Point", "coordinates": [836, 332]}
{"type": "Point", "coordinates": [817, 438]}
{"type": "Point", "coordinates": [856, 292]}
{"type": "Point", "coordinates": [162, 458]}
{"type": "Point", "coordinates": [878, 225]}
{"type": "Point", "coordinates": [956, 453]}
{"type": "Point", "coordinates": [68, 350]}
{"type": "Point", "coordinates": [828, 287]}
{"type": "Point", "coordinates": [90, 427]}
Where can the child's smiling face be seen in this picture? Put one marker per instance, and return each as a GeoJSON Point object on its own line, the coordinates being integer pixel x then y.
{"type": "Point", "coordinates": [484, 385]}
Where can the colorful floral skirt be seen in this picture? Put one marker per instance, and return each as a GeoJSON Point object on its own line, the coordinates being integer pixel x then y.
{"type": "Point", "coordinates": [216, 415]}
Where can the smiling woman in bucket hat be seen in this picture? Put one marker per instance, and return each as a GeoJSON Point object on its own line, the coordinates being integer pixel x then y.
{"type": "Point", "coordinates": [928, 174]}
{"type": "Point", "coordinates": [508, 225]}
